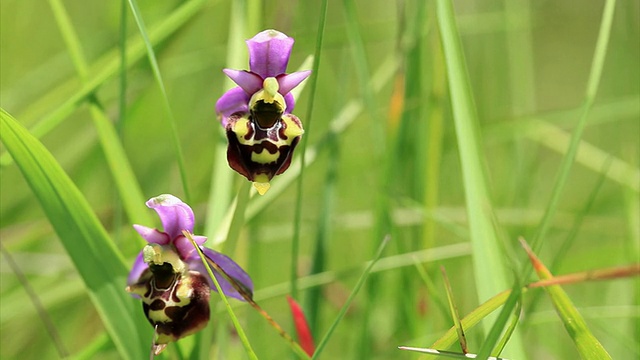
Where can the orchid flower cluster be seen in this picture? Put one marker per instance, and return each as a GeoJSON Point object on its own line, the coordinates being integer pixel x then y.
{"type": "Point", "coordinates": [171, 279]}
{"type": "Point", "coordinates": [261, 130]}
{"type": "Point", "coordinates": [169, 275]}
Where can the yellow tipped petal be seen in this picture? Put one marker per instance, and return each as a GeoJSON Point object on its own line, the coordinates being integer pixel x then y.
{"type": "Point", "coordinates": [262, 183]}
{"type": "Point", "coordinates": [261, 187]}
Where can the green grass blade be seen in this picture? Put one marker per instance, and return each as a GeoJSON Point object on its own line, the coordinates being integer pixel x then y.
{"type": "Point", "coordinates": [232, 315]}
{"type": "Point", "coordinates": [471, 320]}
{"type": "Point", "coordinates": [173, 128]}
{"type": "Point", "coordinates": [94, 256]}
{"type": "Point", "coordinates": [128, 187]}
{"type": "Point", "coordinates": [488, 261]}
{"type": "Point", "coordinates": [354, 292]}
{"type": "Point", "coordinates": [453, 309]}
{"type": "Point", "coordinates": [567, 162]}
{"type": "Point", "coordinates": [34, 297]}
{"type": "Point", "coordinates": [588, 346]}
{"type": "Point", "coordinates": [313, 81]}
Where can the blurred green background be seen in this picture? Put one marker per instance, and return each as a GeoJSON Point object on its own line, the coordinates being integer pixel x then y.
{"type": "Point", "coordinates": [392, 165]}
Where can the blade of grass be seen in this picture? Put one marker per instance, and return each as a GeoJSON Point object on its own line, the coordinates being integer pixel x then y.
{"type": "Point", "coordinates": [453, 309]}
{"type": "Point", "coordinates": [588, 346]}
{"type": "Point", "coordinates": [434, 295]}
{"type": "Point", "coordinates": [515, 319]}
{"type": "Point", "coordinates": [313, 81]}
{"type": "Point", "coordinates": [352, 296]}
{"type": "Point", "coordinates": [220, 209]}
{"type": "Point", "coordinates": [232, 315]}
{"type": "Point", "coordinates": [37, 304]}
{"type": "Point", "coordinates": [129, 191]}
{"type": "Point", "coordinates": [561, 179]}
{"type": "Point", "coordinates": [488, 261]}
{"type": "Point", "coordinates": [173, 128]}
{"type": "Point", "coordinates": [93, 254]}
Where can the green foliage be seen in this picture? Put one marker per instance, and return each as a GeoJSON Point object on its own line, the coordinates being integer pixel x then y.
{"type": "Point", "coordinates": [456, 127]}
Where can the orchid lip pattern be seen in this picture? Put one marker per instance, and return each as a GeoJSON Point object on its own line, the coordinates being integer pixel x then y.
{"type": "Point", "coordinates": [170, 278]}
{"type": "Point", "coordinates": [256, 115]}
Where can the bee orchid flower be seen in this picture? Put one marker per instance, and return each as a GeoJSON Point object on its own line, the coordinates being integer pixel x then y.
{"type": "Point", "coordinates": [170, 278]}
{"type": "Point", "coordinates": [256, 115]}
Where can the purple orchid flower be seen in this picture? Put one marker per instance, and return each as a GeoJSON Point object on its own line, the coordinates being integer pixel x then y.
{"type": "Point", "coordinates": [170, 278]}
{"type": "Point", "coordinates": [256, 115]}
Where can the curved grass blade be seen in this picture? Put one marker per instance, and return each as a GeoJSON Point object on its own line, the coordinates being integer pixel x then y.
{"type": "Point", "coordinates": [232, 315]}
{"type": "Point", "coordinates": [173, 128]}
{"type": "Point", "coordinates": [94, 256]}
{"type": "Point", "coordinates": [488, 261]}
{"type": "Point", "coordinates": [37, 304]}
{"type": "Point", "coordinates": [454, 313]}
{"type": "Point", "coordinates": [313, 81]}
{"type": "Point", "coordinates": [588, 346]}
{"type": "Point", "coordinates": [352, 296]}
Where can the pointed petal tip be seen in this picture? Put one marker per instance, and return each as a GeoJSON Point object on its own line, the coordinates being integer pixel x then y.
{"type": "Point", "coordinates": [261, 187]}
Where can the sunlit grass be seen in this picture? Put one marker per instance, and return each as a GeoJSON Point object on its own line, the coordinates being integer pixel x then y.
{"type": "Point", "coordinates": [388, 152]}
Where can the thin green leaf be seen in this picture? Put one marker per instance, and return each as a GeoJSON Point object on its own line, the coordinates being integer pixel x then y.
{"type": "Point", "coordinates": [352, 296]}
{"type": "Point", "coordinates": [588, 346]}
{"type": "Point", "coordinates": [232, 315]}
{"type": "Point", "coordinates": [454, 312]}
{"type": "Point", "coordinates": [173, 128]}
{"type": "Point", "coordinates": [488, 261]}
{"type": "Point", "coordinates": [98, 262]}
{"type": "Point", "coordinates": [515, 319]}
{"type": "Point", "coordinates": [295, 241]}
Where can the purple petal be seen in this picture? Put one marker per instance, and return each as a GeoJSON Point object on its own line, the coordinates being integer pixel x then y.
{"type": "Point", "coordinates": [139, 266]}
{"type": "Point", "coordinates": [269, 53]}
{"type": "Point", "coordinates": [231, 102]}
{"type": "Point", "coordinates": [248, 81]}
{"type": "Point", "coordinates": [290, 102]}
{"type": "Point", "coordinates": [152, 235]}
{"type": "Point", "coordinates": [230, 267]}
{"type": "Point", "coordinates": [175, 215]}
{"type": "Point", "coordinates": [185, 247]}
{"type": "Point", "coordinates": [290, 81]}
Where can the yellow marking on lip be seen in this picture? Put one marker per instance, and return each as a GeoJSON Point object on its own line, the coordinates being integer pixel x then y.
{"type": "Point", "coordinates": [293, 130]}
{"type": "Point", "coordinates": [264, 157]}
{"type": "Point", "coordinates": [241, 128]}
